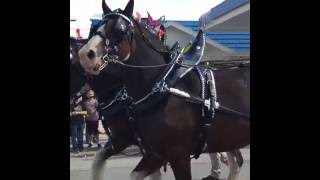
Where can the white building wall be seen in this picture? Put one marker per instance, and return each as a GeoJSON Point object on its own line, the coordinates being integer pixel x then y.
{"type": "Point", "coordinates": [210, 52]}
{"type": "Point", "coordinates": [213, 53]}
{"type": "Point", "coordinates": [174, 35]}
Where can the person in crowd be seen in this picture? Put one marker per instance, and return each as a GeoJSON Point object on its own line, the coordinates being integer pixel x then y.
{"type": "Point", "coordinates": [92, 120]}
{"type": "Point", "coordinates": [77, 123]}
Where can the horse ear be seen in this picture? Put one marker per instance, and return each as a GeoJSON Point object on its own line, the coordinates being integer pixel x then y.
{"type": "Point", "coordinates": [105, 8]}
{"type": "Point", "coordinates": [129, 8]}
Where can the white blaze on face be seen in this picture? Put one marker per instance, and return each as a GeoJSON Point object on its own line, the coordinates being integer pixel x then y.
{"type": "Point", "coordinates": [90, 64]}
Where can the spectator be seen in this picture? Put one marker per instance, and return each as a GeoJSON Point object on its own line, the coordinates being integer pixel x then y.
{"type": "Point", "coordinates": [92, 121]}
{"type": "Point", "coordinates": [77, 122]}
{"type": "Point", "coordinates": [227, 158]}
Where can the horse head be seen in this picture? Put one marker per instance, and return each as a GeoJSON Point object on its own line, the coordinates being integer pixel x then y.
{"type": "Point", "coordinates": [112, 39]}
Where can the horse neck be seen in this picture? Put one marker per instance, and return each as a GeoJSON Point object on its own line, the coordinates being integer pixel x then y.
{"type": "Point", "coordinates": [139, 81]}
{"type": "Point", "coordinates": [105, 86]}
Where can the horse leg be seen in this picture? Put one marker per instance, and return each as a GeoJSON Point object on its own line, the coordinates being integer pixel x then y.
{"type": "Point", "coordinates": [234, 166]}
{"type": "Point", "coordinates": [155, 175]}
{"type": "Point", "coordinates": [100, 158]}
{"type": "Point", "coordinates": [215, 167]}
{"type": "Point", "coordinates": [147, 166]}
{"type": "Point", "coordinates": [237, 154]}
{"type": "Point", "coordinates": [180, 164]}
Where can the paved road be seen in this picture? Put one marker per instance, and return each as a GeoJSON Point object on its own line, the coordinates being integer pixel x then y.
{"type": "Point", "coordinates": [120, 167]}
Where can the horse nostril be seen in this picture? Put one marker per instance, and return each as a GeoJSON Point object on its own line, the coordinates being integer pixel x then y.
{"type": "Point", "coordinates": [91, 54]}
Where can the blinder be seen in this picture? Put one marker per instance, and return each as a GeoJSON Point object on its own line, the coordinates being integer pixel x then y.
{"type": "Point", "coordinates": [124, 28]}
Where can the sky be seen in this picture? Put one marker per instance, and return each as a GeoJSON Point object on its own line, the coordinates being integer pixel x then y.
{"type": "Point", "coordinates": [83, 10]}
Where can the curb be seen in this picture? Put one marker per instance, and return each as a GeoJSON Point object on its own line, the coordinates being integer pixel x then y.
{"type": "Point", "coordinates": [130, 151]}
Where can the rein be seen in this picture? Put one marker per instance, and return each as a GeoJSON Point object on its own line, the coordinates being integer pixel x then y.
{"type": "Point", "coordinates": [115, 60]}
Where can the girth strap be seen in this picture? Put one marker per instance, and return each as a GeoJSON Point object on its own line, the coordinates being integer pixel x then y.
{"type": "Point", "coordinates": [134, 128]}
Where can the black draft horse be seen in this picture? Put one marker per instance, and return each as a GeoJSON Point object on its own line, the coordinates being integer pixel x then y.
{"type": "Point", "coordinates": [169, 129]}
{"type": "Point", "coordinates": [115, 121]}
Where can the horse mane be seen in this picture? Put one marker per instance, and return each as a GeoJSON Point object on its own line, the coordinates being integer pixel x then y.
{"type": "Point", "coordinates": [153, 39]}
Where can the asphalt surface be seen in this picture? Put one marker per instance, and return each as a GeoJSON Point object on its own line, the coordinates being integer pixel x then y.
{"type": "Point", "coordinates": [119, 167]}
